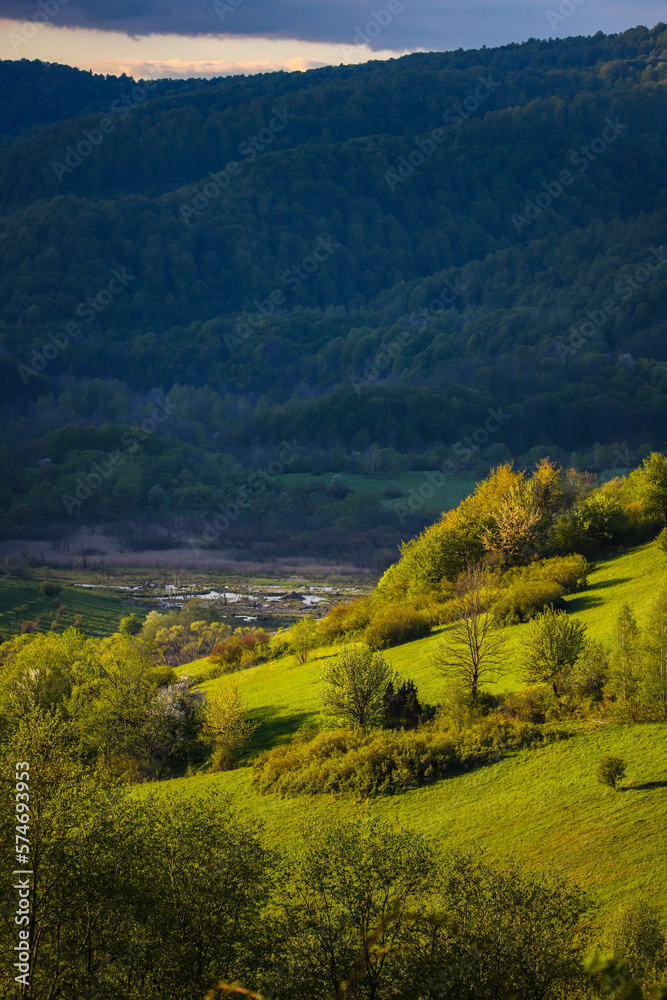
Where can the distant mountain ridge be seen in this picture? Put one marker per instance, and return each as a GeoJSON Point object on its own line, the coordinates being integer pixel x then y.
{"type": "Point", "coordinates": [487, 216]}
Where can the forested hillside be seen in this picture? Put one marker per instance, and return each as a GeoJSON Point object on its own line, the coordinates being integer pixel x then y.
{"type": "Point", "coordinates": [357, 260]}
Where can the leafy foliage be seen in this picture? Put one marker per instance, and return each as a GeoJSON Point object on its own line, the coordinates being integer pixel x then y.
{"type": "Point", "coordinates": [552, 645]}
{"type": "Point", "coordinates": [242, 649]}
{"type": "Point", "coordinates": [353, 686]}
{"type": "Point", "coordinates": [227, 727]}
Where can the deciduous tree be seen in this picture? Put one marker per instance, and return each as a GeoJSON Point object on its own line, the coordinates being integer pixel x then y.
{"type": "Point", "coordinates": [227, 727]}
{"type": "Point", "coordinates": [655, 669]}
{"type": "Point", "coordinates": [626, 664]}
{"type": "Point", "coordinates": [353, 686]}
{"type": "Point", "coordinates": [552, 643]}
{"type": "Point", "coordinates": [610, 770]}
{"type": "Point", "coordinates": [303, 638]}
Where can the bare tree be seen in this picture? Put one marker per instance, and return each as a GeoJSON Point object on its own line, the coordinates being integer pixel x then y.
{"type": "Point", "coordinates": [472, 649]}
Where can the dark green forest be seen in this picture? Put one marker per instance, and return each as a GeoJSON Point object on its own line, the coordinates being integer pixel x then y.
{"type": "Point", "coordinates": [365, 262]}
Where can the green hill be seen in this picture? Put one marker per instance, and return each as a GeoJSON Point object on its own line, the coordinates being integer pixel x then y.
{"type": "Point", "coordinates": [426, 307]}
{"type": "Point", "coordinates": [282, 694]}
{"type": "Point", "coordinates": [541, 807]}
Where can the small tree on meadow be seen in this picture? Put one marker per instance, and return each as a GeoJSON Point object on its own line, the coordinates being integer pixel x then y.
{"type": "Point", "coordinates": [227, 727]}
{"type": "Point", "coordinates": [552, 644]}
{"type": "Point", "coordinates": [353, 687]}
{"type": "Point", "coordinates": [304, 637]}
{"type": "Point", "coordinates": [610, 770]}
{"type": "Point", "coordinates": [626, 664]}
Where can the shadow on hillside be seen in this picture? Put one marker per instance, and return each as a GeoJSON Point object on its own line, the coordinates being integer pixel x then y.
{"type": "Point", "coordinates": [646, 787]}
{"type": "Point", "coordinates": [587, 598]}
{"type": "Point", "coordinates": [603, 584]}
{"type": "Point", "coordinates": [582, 602]}
{"type": "Point", "coordinates": [275, 726]}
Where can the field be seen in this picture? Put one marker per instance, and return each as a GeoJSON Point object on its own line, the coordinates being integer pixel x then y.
{"type": "Point", "coordinates": [541, 807]}
{"type": "Point", "coordinates": [448, 492]}
{"type": "Point", "coordinates": [20, 600]}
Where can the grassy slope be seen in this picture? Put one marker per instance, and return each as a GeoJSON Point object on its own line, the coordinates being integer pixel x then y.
{"type": "Point", "coordinates": [541, 807]}
{"type": "Point", "coordinates": [282, 695]}
{"type": "Point", "coordinates": [21, 601]}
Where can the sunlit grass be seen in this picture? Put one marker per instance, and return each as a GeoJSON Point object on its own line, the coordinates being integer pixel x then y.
{"type": "Point", "coordinates": [543, 808]}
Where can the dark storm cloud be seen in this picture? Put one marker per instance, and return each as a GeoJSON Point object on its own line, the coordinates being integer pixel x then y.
{"type": "Point", "coordinates": [396, 24]}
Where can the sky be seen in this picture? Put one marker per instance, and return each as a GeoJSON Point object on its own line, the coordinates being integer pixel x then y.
{"type": "Point", "coordinates": [185, 38]}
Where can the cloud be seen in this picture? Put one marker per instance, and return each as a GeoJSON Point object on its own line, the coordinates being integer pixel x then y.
{"type": "Point", "coordinates": [181, 69]}
{"type": "Point", "coordinates": [396, 25]}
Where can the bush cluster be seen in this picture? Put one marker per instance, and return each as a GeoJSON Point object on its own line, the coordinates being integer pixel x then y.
{"type": "Point", "coordinates": [377, 622]}
{"type": "Point", "coordinates": [351, 762]}
{"type": "Point", "coordinates": [244, 648]}
{"type": "Point", "coordinates": [528, 589]}
{"type": "Point", "coordinates": [393, 626]}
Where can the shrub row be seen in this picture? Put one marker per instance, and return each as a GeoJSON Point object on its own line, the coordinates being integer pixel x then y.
{"type": "Point", "coordinates": [352, 762]}
{"type": "Point", "coordinates": [381, 621]}
{"type": "Point", "coordinates": [528, 590]}
{"type": "Point", "coordinates": [379, 624]}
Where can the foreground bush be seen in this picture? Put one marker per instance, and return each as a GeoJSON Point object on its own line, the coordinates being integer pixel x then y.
{"type": "Point", "coordinates": [179, 893]}
{"type": "Point", "coordinates": [350, 762]}
{"type": "Point", "coordinates": [346, 620]}
{"type": "Point", "coordinates": [379, 622]}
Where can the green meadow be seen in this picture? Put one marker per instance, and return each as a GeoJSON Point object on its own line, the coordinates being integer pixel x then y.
{"type": "Point", "coordinates": [449, 492]}
{"type": "Point", "coordinates": [283, 694]}
{"type": "Point", "coordinates": [543, 808]}
{"type": "Point", "coordinates": [20, 601]}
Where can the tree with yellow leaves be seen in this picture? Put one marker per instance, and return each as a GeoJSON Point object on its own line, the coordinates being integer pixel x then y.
{"type": "Point", "coordinates": [227, 728]}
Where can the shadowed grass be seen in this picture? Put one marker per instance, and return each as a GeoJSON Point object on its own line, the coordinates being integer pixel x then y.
{"type": "Point", "coordinates": [20, 600]}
